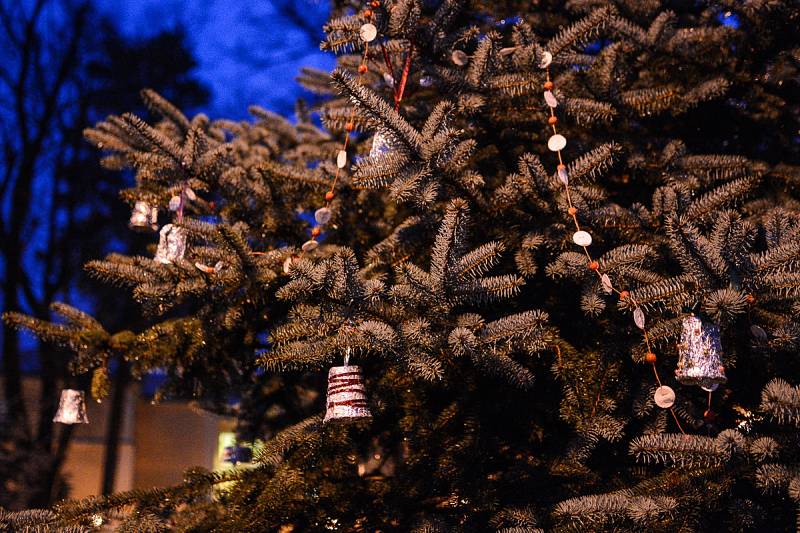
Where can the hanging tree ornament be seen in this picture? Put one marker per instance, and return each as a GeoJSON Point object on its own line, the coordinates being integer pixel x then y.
{"type": "Point", "coordinates": [71, 408]}
{"type": "Point", "coordinates": [171, 244]}
{"type": "Point", "coordinates": [700, 355]}
{"type": "Point", "coordinates": [381, 144]}
{"type": "Point", "coordinates": [143, 217]}
{"type": "Point", "coordinates": [346, 393]}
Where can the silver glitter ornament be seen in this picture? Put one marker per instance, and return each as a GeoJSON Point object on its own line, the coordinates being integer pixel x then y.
{"type": "Point", "coordinates": [346, 394]}
{"type": "Point", "coordinates": [171, 244]}
{"type": "Point", "coordinates": [700, 355]}
{"type": "Point", "coordinates": [143, 217]}
{"type": "Point", "coordinates": [71, 408]}
{"type": "Point", "coordinates": [381, 144]}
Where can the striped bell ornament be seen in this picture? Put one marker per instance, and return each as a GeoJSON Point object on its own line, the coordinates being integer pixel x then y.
{"type": "Point", "coordinates": [347, 397]}
{"type": "Point", "coordinates": [71, 408]}
{"type": "Point", "coordinates": [700, 355]}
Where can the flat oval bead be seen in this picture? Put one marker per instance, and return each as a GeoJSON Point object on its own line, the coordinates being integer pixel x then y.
{"type": "Point", "coordinates": [550, 98]}
{"type": "Point", "coordinates": [606, 282]}
{"type": "Point", "coordinates": [310, 246]}
{"type": "Point", "coordinates": [174, 203]}
{"type": "Point", "coordinates": [664, 397]}
{"type": "Point", "coordinates": [459, 57]}
{"type": "Point", "coordinates": [368, 32]}
{"type": "Point", "coordinates": [190, 194]}
{"type": "Point", "coordinates": [638, 317]}
{"type": "Point", "coordinates": [287, 265]}
{"type": "Point", "coordinates": [556, 142]}
{"type": "Point", "coordinates": [388, 79]}
{"type": "Point", "coordinates": [563, 177]}
{"type": "Point", "coordinates": [547, 58]}
{"type": "Point", "coordinates": [341, 159]}
{"type": "Point", "coordinates": [581, 238]}
{"type": "Point", "coordinates": [322, 215]}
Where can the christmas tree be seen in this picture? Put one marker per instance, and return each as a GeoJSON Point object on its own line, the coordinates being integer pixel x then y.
{"type": "Point", "coordinates": [548, 252]}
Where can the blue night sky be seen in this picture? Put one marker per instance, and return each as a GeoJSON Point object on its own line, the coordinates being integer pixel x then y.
{"type": "Point", "coordinates": [249, 51]}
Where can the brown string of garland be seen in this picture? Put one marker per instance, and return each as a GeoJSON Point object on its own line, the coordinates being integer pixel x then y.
{"type": "Point", "coordinates": [594, 265]}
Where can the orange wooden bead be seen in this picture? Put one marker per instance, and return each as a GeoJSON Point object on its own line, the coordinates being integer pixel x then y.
{"type": "Point", "coordinates": [750, 298]}
{"type": "Point", "coordinates": [572, 211]}
{"type": "Point", "coordinates": [561, 167]}
{"type": "Point", "coordinates": [624, 295]}
{"type": "Point", "coordinates": [315, 232]}
{"type": "Point", "coordinates": [594, 265]}
{"type": "Point", "coordinates": [329, 196]}
{"type": "Point", "coordinates": [721, 369]}
{"type": "Point", "coordinates": [362, 69]}
{"type": "Point", "coordinates": [548, 86]}
{"type": "Point", "coordinates": [368, 13]}
{"type": "Point", "coordinates": [349, 126]}
{"type": "Point", "coordinates": [375, 3]}
{"type": "Point", "coordinates": [552, 120]}
{"type": "Point", "coordinates": [650, 357]}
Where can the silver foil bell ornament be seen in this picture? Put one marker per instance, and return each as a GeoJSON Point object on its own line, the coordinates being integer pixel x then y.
{"type": "Point", "coordinates": [171, 244]}
{"type": "Point", "coordinates": [700, 355]}
{"type": "Point", "coordinates": [347, 397]}
{"type": "Point", "coordinates": [381, 144]}
{"type": "Point", "coordinates": [71, 408]}
{"type": "Point", "coordinates": [143, 217]}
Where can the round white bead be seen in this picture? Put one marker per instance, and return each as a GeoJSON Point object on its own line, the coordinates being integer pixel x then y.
{"type": "Point", "coordinates": [581, 238]}
{"type": "Point", "coordinates": [556, 142]}
{"type": "Point", "coordinates": [368, 32]}
{"type": "Point", "coordinates": [664, 397]}
{"type": "Point", "coordinates": [341, 159]}
{"type": "Point", "coordinates": [322, 215]}
{"type": "Point", "coordinates": [550, 98]}
{"type": "Point", "coordinates": [459, 57]}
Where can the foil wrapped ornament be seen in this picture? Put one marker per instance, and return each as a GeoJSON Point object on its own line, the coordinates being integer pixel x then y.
{"type": "Point", "coordinates": [71, 408]}
{"type": "Point", "coordinates": [171, 244]}
{"type": "Point", "coordinates": [381, 144]}
{"type": "Point", "coordinates": [143, 217]}
{"type": "Point", "coordinates": [347, 397]}
{"type": "Point", "coordinates": [700, 355]}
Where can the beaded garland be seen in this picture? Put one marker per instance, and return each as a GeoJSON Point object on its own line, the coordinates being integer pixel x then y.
{"type": "Point", "coordinates": [664, 396]}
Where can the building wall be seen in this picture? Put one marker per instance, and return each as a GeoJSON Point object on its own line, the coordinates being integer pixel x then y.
{"type": "Point", "coordinates": [157, 442]}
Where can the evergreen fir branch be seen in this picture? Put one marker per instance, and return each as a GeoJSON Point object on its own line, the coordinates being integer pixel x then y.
{"type": "Point", "coordinates": [580, 32]}
{"type": "Point", "coordinates": [588, 111]}
{"type": "Point", "coordinates": [603, 509]}
{"type": "Point", "coordinates": [720, 197]}
{"type": "Point", "coordinates": [520, 326]}
{"type": "Point", "coordinates": [682, 450]}
{"type": "Point", "coordinates": [594, 163]}
{"type": "Point", "coordinates": [781, 401]}
{"type": "Point", "coordinates": [479, 65]}
{"type": "Point", "coordinates": [274, 450]}
{"type": "Point", "coordinates": [377, 111]}
{"type": "Point", "coordinates": [478, 261]}
{"type": "Point", "coordinates": [651, 101]}
{"type": "Point", "coordinates": [403, 18]}
{"type": "Point", "coordinates": [661, 29]}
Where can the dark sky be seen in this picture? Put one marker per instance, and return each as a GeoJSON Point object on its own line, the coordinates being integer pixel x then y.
{"type": "Point", "coordinates": [249, 51]}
